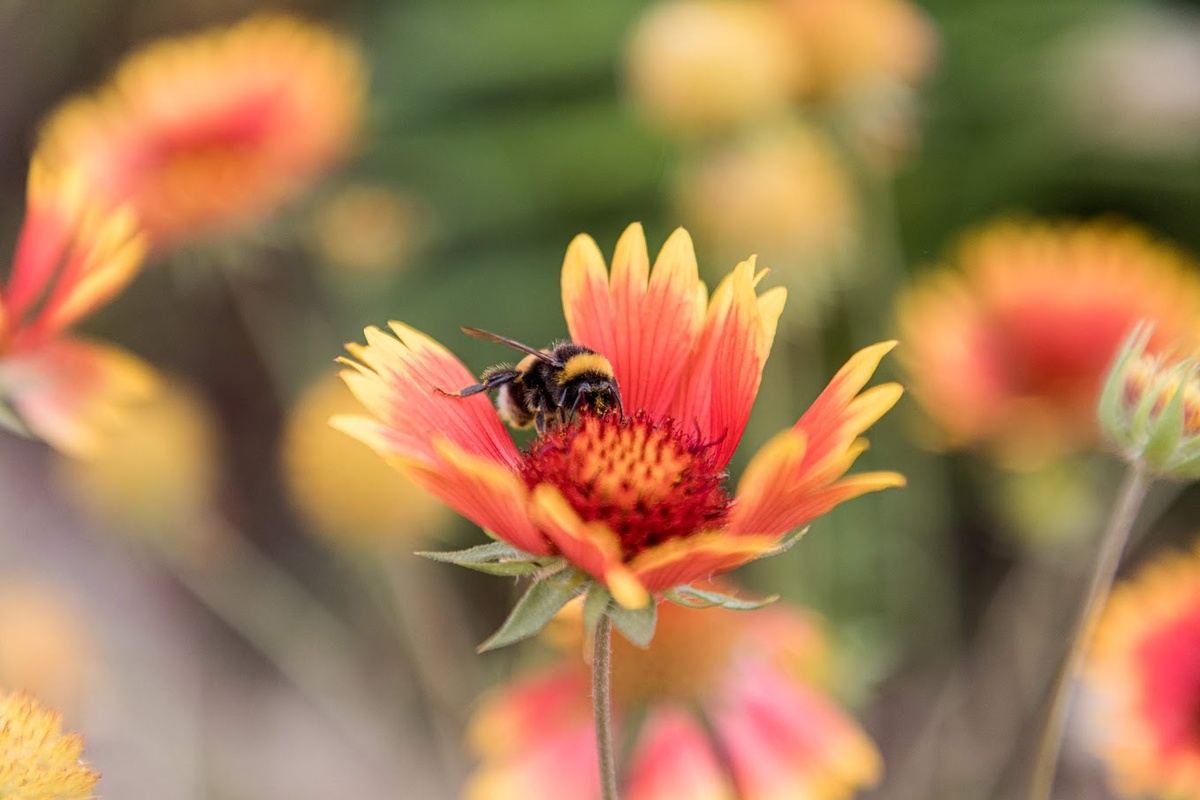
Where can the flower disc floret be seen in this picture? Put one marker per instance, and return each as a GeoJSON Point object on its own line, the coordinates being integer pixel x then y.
{"type": "Point", "coordinates": [648, 481]}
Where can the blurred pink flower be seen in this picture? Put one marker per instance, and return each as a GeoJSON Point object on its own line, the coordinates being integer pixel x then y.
{"type": "Point", "coordinates": [722, 705]}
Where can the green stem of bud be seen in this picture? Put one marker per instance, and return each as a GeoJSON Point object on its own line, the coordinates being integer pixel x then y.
{"type": "Point", "coordinates": [1120, 524]}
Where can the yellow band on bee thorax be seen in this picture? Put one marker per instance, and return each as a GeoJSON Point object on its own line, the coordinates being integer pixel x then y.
{"type": "Point", "coordinates": [583, 364]}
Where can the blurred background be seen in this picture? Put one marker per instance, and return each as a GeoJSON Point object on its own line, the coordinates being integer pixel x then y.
{"type": "Point", "coordinates": [224, 601]}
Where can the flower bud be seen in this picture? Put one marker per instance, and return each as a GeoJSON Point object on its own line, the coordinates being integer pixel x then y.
{"type": "Point", "coordinates": [1150, 408]}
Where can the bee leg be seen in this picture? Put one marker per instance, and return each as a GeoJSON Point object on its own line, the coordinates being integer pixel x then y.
{"type": "Point", "coordinates": [539, 421]}
{"type": "Point", "coordinates": [490, 381]}
{"type": "Point", "coordinates": [570, 417]}
{"type": "Point", "coordinates": [620, 409]}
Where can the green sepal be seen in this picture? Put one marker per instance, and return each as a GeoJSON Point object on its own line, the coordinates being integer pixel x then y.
{"type": "Point", "coordinates": [11, 421]}
{"type": "Point", "coordinates": [494, 558]}
{"type": "Point", "coordinates": [691, 597]}
{"type": "Point", "coordinates": [1111, 408]}
{"type": "Point", "coordinates": [1167, 431]}
{"type": "Point", "coordinates": [783, 546]}
{"type": "Point", "coordinates": [635, 624]}
{"type": "Point", "coordinates": [596, 603]}
{"type": "Point", "coordinates": [535, 609]}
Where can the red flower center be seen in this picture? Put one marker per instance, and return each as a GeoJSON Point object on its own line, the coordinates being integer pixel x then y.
{"type": "Point", "coordinates": [647, 480]}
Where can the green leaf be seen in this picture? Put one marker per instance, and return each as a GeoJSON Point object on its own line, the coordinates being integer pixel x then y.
{"type": "Point", "coordinates": [691, 597]}
{"type": "Point", "coordinates": [635, 624]}
{"type": "Point", "coordinates": [531, 613]}
{"type": "Point", "coordinates": [494, 558]}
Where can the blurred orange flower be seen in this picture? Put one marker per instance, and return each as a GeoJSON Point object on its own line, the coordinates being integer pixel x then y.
{"type": "Point", "coordinates": [215, 130]}
{"type": "Point", "coordinates": [342, 489]}
{"type": "Point", "coordinates": [701, 66]}
{"type": "Point", "coordinates": [37, 761]}
{"type": "Point", "coordinates": [1144, 675]}
{"type": "Point", "coordinates": [73, 255]}
{"type": "Point", "coordinates": [1010, 349]}
{"type": "Point", "coordinates": [783, 193]}
{"type": "Point", "coordinates": [846, 45]}
{"type": "Point", "coordinates": [721, 699]}
{"type": "Point", "coordinates": [45, 648]}
{"type": "Point", "coordinates": [633, 499]}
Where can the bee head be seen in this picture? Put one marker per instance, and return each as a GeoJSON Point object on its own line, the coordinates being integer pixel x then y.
{"type": "Point", "coordinates": [600, 398]}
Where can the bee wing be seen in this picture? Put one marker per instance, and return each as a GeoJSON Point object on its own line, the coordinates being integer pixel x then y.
{"type": "Point", "coordinates": [524, 348]}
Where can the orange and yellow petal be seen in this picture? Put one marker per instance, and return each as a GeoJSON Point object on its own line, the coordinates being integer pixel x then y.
{"type": "Point", "coordinates": [784, 741]}
{"type": "Point", "coordinates": [590, 546]}
{"type": "Point", "coordinates": [798, 475]}
{"type": "Point", "coordinates": [1142, 669]}
{"type": "Point", "coordinates": [696, 557]}
{"type": "Point", "coordinates": [216, 129]}
{"type": "Point", "coordinates": [73, 254]}
{"type": "Point", "coordinates": [72, 393]}
{"type": "Point", "coordinates": [840, 413]}
{"type": "Point", "coordinates": [1009, 350]}
{"type": "Point", "coordinates": [491, 495]}
{"type": "Point", "coordinates": [675, 759]}
{"type": "Point", "coordinates": [37, 760]}
{"type": "Point", "coordinates": [725, 369]}
{"type": "Point", "coordinates": [782, 490]}
{"type": "Point", "coordinates": [645, 321]}
{"type": "Point", "coordinates": [397, 378]}
{"type": "Point", "coordinates": [55, 204]}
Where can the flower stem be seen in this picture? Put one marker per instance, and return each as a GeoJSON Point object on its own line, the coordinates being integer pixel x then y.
{"type": "Point", "coordinates": [602, 706]}
{"type": "Point", "coordinates": [1129, 502]}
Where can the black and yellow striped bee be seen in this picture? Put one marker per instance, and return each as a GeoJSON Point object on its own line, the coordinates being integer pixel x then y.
{"type": "Point", "coordinates": [547, 385]}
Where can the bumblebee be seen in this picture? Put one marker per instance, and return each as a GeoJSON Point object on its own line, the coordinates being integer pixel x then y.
{"type": "Point", "coordinates": [547, 385]}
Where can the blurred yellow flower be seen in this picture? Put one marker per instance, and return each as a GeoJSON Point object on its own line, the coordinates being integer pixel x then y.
{"type": "Point", "coordinates": [782, 193]}
{"type": "Point", "coordinates": [345, 491]}
{"type": "Point", "coordinates": [157, 475]}
{"type": "Point", "coordinates": [37, 761]}
{"type": "Point", "coordinates": [848, 44]}
{"type": "Point", "coordinates": [695, 66]}
{"type": "Point", "coordinates": [215, 130]}
{"type": "Point", "coordinates": [367, 229]}
{"type": "Point", "coordinates": [1010, 350]}
{"type": "Point", "coordinates": [1143, 674]}
{"type": "Point", "coordinates": [45, 649]}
